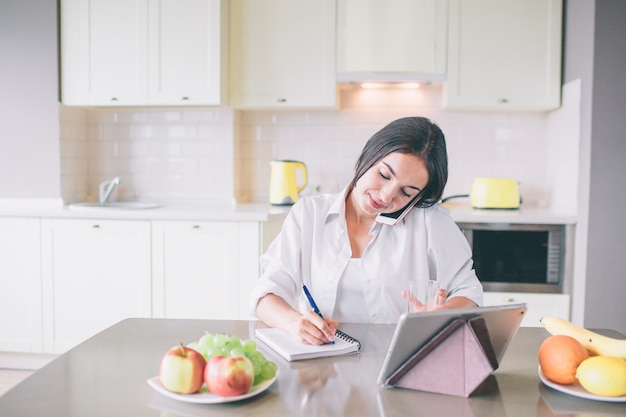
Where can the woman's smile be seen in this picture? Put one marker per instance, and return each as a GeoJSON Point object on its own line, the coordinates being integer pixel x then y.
{"type": "Point", "coordinates": [375, 205]}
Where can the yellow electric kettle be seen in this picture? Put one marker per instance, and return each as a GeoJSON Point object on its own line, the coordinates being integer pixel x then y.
{"type": "Point", "coordinates": [284, 184]}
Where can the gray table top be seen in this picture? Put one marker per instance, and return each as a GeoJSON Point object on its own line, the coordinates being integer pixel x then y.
{"type": "Point", "coordinates": [106, 376]}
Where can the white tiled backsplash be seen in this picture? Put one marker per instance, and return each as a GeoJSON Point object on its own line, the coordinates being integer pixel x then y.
{"type": "Point", "coordinates": [222, 155]}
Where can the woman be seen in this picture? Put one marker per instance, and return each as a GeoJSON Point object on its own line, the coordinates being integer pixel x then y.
{"type": "Point", "coordinates": [355, 267]}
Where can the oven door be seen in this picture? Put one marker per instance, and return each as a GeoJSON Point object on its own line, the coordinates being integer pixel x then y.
{"type": "Point", "coordinates": [518, 257]}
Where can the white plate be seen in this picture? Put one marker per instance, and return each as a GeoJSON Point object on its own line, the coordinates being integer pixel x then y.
{"type": "Point", "coordinates": [205, 397]}
{"type": "Point", "coordinates": [578, 391]}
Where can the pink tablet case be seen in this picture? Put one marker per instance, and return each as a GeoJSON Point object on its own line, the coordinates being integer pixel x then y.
{"type": "Point", "coordinates": [455, 362]}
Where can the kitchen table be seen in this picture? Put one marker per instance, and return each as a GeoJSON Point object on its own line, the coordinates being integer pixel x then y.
{"type": "Point", "coordinates": [106, 376]}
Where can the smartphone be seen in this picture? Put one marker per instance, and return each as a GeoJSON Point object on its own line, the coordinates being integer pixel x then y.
{"type": "Point", "coordinates": [393, 218]}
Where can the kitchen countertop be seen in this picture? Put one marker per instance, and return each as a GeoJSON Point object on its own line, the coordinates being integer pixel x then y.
{"type": "Point", "coordinates": [526, 214]}
{"type": "Point", "coordinates": [106, 376]}
{"type": "Point", "coordinates": [261, 212]}
{"type": "Point", "coordinates": [257, 212]}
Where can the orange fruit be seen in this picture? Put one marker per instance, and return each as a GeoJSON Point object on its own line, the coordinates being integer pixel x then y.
{"type": "Point", "coordinates": [559, 356]}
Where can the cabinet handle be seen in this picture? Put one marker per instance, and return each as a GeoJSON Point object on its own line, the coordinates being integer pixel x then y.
{"type": "Point", "coordinates": [503, 100]}
{"type": "Point", "coordinates": [184, 98]}
{"type": "Point", "coordinates": [95, 226]}
{"type": "Point", "coordinates": [281, 100]}
{"type": "Point", "coordinates": [113, 98]}
{"type": "Point", "coordinates": [510, 300]}
{"type": "Point", "coordinates": [195, 226]}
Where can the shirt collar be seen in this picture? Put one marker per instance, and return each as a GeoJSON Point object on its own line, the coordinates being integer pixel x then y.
{"type": "Point", "coordinates": [338, 206]}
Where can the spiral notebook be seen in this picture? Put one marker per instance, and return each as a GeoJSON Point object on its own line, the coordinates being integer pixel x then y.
{"type": "Point", "coordinates": [292, 350]}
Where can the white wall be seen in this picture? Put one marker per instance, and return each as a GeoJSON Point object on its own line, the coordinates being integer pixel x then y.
{"type": "Point", "coordinates": [29, 108]}
{"type": "Point", "coordinates": [606, 270]}
{"type": "Point", "coordinates": [593, 53]}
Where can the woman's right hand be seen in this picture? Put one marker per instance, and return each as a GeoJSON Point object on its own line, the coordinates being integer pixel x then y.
{"type": "Point", "coordinates": [313, 329]}
{"type": "Point", "coordinates": [307, 328]}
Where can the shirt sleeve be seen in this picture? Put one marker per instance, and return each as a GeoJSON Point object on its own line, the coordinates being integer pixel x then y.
{"type": "Point", "coordinates": [450, 258]}
{"type": "Point", "coordinates": [281, 263]}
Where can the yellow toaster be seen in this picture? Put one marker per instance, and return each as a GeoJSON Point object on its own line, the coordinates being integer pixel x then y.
{"type": "Point", "coordinates": [495, 193]}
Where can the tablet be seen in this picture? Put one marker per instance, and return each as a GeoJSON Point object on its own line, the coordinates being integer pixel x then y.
{"type": "Point", "coordinates": [415, 330]}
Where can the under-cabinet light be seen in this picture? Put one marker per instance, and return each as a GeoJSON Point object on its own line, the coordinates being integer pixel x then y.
{"type": "Point", "coordinates": [410, 85]}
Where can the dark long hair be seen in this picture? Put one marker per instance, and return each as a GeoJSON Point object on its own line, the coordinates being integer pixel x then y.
{"type": "Point", "coordinates": [414, 136]}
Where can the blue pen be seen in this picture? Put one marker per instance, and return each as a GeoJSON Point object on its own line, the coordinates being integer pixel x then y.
{"type": "Point", "coordinates": [312, 302]}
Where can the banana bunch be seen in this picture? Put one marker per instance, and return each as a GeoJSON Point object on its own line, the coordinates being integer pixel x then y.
{"type": "Point", "coordinates": [596, 344]}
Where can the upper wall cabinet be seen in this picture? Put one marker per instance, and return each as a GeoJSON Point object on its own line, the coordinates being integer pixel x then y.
{"type": "Point", "coordinates": [187, 41]}
{"type": "Point", "coordinates": [504, 54]}
{"type": "Point", "coordinates": [391, 40]}
{"type": "Point", "coordinates": [104, 56]}
{"type": "Point", "coordinates": [282, 53]}
{"type": "Point", "coordinates": [142, 52]}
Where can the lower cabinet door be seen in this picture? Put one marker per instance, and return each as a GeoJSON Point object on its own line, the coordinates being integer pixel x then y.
{"type": "Point", "coordinates": [539, 304]}
{"type": "Point", "coordinates": [20, 285]}
{"type": "Point", "coordinates": [195, 269]}
{"type": "Point", "coordinates": [95, 273]}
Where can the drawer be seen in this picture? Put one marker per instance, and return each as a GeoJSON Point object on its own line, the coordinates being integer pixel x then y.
{"type": "Point", "coordinates": [539, 304]}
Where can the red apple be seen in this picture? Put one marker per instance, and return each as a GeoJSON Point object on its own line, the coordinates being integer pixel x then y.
{"type": "Point", "coordinates": [182, 370]}
{"type": "Point", "coordinates": [229, 376]}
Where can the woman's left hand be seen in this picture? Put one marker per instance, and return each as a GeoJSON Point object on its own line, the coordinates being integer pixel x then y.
{"type": "Point", "coordinates": [439, 303]}
{"type": "Point", "coordinates": [442, 295]}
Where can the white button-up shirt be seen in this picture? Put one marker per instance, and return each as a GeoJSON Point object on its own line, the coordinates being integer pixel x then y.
{"type": "Point", "coordinates": [313, 248]}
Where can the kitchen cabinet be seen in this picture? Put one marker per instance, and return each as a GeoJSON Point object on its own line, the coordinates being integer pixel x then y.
{"type": "Point", "coordinates": [94, 274]}
{"type": "Point", "coordinates": [142, 52]}
{"type": "Point", "coordinates": [194, 267]}
{"type": "Point", "coordinates": [504, 54]}
{"type": "Point", "coordinates": [20, 285]}
{"type": "Point", "coordinates": [391, 40]}
{"type": "Point", "coordinates": [104, 58]}
{"type": "Point", "coordinates": [187, 40]}
{"type": "Point", "coordinates": [539, 304]}
{"type": "Point", "coordinates": [206, 270]}
{"type": "Point", "coordinates": [282, 53]}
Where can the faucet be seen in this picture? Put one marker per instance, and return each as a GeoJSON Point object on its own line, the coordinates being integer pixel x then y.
{"type": "Point", "coordinates": [106, 188]}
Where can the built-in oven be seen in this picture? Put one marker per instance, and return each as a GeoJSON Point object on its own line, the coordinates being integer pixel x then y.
{"type": "Point", "coordinates": [520, 257]}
